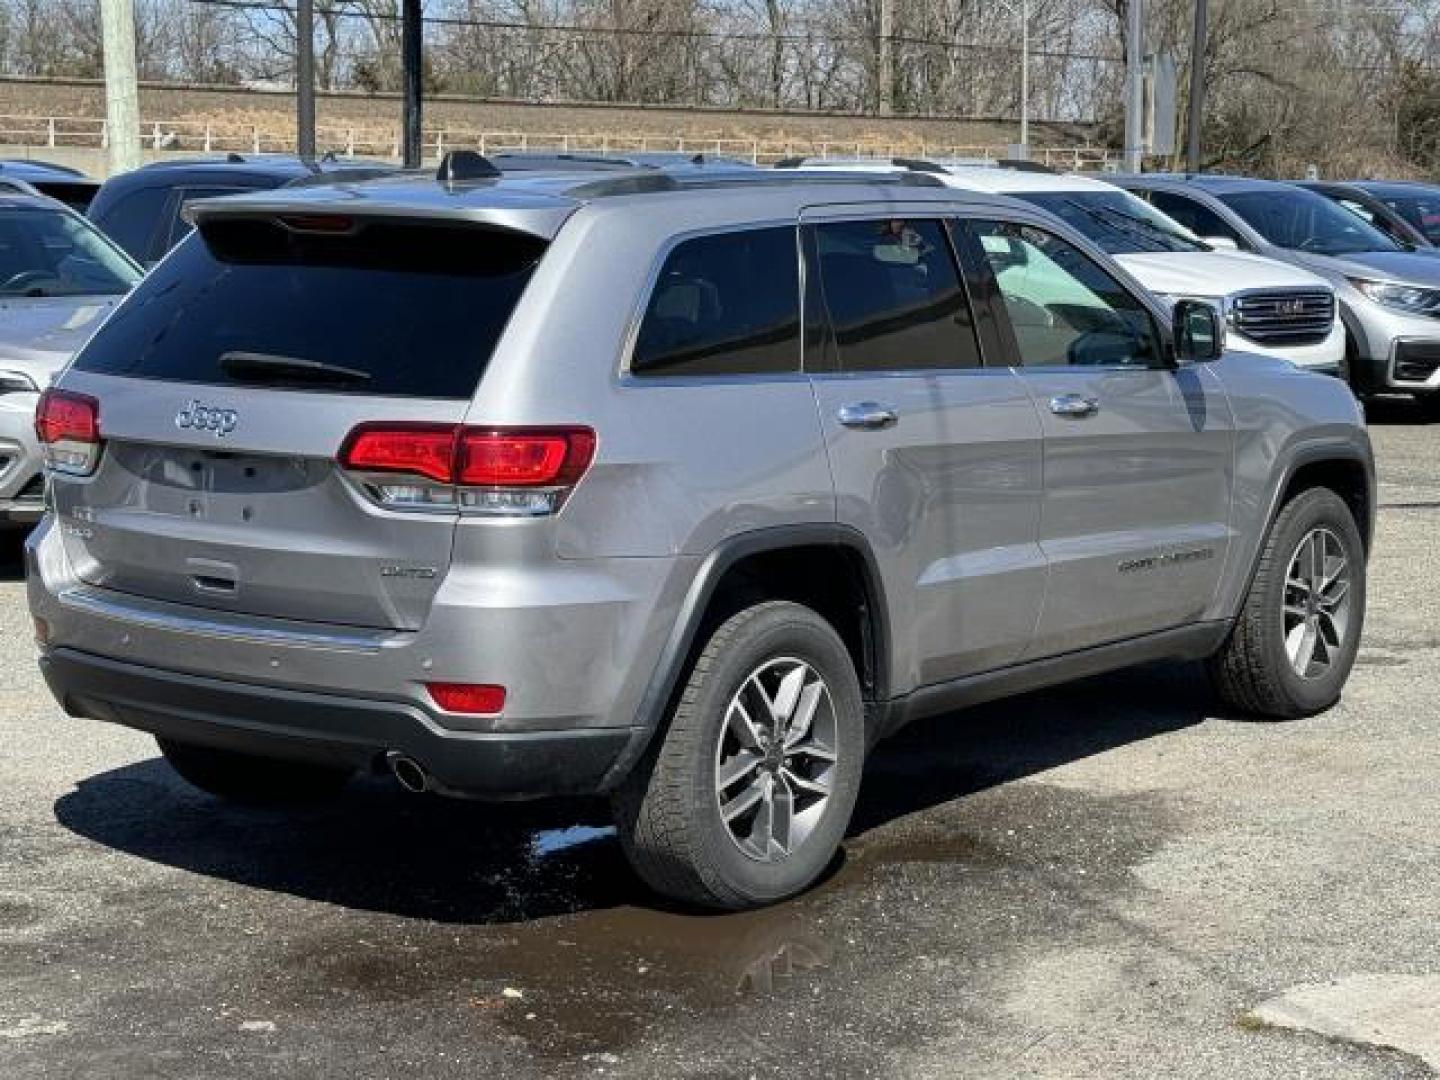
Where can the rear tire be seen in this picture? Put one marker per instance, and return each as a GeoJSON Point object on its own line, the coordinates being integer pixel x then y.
{"type": "Point", "coordinates": [1296, 637]}
{"type": "Point", "coordinates": [748, 796]}
{"type": "Point", "coordinates": [247, 778]}
{"type": "Point", "coordinates": [1429, 406]}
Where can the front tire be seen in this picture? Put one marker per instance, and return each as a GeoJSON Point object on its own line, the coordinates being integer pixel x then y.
{"type": "Point", "coordinates": [1296, 637]}
{"type": "Point", "coordinates": [228, 774]}
{"type": "Point", "coordinates": [748, 796]}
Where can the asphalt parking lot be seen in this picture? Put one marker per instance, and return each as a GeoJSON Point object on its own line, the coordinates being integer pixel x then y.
{"type": "Point", "coordinates": [1099, 881]}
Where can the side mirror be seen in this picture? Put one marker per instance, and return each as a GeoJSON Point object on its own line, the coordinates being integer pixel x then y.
{"type": "Point", "coordinates": [1221, 243]}
{"type": "Point", "coordinates": [1198, 330]}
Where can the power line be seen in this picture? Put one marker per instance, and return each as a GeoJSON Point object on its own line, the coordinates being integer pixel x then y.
{"type": "Point", "coordinates": [648, 32]}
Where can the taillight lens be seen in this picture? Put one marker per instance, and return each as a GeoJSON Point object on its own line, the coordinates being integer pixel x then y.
{"type": "Point", "coordinates": [524, 472]}
{"type": "Point", "coordinates": [427, 451]}
{"type": "Point", "coordinates": [473, 698]}
{"type": "Point", "coordinates": [524, 459]}
{"type": "Point", "coordinates": [68, 427]}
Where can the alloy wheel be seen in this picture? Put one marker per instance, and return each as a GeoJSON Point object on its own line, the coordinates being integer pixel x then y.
{"type": "Point", "coordinates": [775, 759]}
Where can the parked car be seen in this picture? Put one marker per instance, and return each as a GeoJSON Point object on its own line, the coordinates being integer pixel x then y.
{"type": "Point", "coordinates": [142, 210]}
{"type": "Point", "coordinates": [519, 488]}
{"type": "Point", "coordinates": [70, 186]}
{"type": "Point", "coordinates": [1408, 213]}
{"type": "Point", "coordinates": [59, 278]}
{"type": "Point", "coordinates": [1389, 297]}
{"type": "Point", "coordinates": [1273, 308]}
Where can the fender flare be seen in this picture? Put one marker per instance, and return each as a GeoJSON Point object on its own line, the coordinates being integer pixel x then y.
{"type": "Point", "coordinates": [670, 668]}
{"type": "Point", "coordinates": [1330, 449]}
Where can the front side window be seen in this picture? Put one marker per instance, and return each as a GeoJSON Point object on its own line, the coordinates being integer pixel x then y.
{"type": "Point", "coordinates": [1421, 211]}
{"type": "Point", "coordinates": [46, 252]}
{"type": "Point", "coordinates": [1198, 218]}
{"type": "Point", "coordinates": [726, 304]}
{"type": "Point", "coordinates": [1300, 220]}
{"type": "Point", "coordinates": [894, 296]}
{"type": "Point", "coordinates": [1064, 308]}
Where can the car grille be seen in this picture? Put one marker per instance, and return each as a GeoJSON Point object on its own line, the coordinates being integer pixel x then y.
{"type": "Point", "coordinates": [1284, 318]}
{"type": "Point", "coordinates": [1416, 361]}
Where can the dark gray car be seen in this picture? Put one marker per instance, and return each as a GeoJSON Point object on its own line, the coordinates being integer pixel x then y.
{"type": "Point", "coordinates": [677, 488]}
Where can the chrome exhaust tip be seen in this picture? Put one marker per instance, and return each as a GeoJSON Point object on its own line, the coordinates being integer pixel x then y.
{"type": "Point", "coordinates": [408, 772]}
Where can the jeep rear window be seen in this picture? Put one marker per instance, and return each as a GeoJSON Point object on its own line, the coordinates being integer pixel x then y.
{"type": "Point", "coordinates": [407, 309]}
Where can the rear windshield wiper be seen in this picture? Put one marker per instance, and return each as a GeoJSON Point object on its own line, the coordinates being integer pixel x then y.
{"type": "Point", "coordinates": [266, 367]}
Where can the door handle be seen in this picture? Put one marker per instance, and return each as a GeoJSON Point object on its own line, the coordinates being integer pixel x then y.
{"type": "Point", "coordinates": [868, 416]}
{"type": "Point", "coordinates": [1075, 406]}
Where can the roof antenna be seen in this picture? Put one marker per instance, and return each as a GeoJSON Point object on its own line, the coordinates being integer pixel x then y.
{"type": "Point", "coordinates": [464, 167]}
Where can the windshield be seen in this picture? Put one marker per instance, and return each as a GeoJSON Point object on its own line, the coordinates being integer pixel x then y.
{"type": "Point", "coordinates": [47, 252]}
{"type": "Point", "coordinates": [1300, 220]}
{"type": "Point", "coordinates": [1117, 221]}
{"type": "Point", "coordinates": [1422, 211]}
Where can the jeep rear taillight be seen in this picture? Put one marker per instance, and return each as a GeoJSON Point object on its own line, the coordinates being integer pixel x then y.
{"type": "Point", "coordinates": [68, 427]}
{"type": "Point", "coordinates": [516, 472]}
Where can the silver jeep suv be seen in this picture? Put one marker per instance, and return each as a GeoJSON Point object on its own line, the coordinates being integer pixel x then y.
{"type": "Point", "coordinates": [677, 487]}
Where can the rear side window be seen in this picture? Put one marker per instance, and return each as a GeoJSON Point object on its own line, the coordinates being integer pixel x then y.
{"type": "Point", "coordinates": [178, 227]}
{"type": "Point", "coordinates": [131, 220]}
{"type": "Point", "coordinates": [726, 304]}
{"type": "Point", "coordinates": [403, 309]}
{"type": "Point", "coordinates": [894, 296]}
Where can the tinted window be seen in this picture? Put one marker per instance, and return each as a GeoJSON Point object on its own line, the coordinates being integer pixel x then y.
{"type": "Point", "coordinates": [131, 220]}
{"type": "Point", "coordinates": [1064, 308]}
{"type": "Point", "coordinates": [726, 304]}
{"type": "Point", "coordinates": [1116, 220]}
{"type": "Point", "coordinates": [894, 297]}
{"type": "Point", "coordinates": [1303, 221]}
{"type": "Point", "coordinates": [406, 309]}
{"type": "Point", "coordinates": [1421, 211]}
{"type": "Point", "coordinates": [180, 228]}
{"type": "Point", "coordinates": [1200, 220]}
{"type": "Point", "coordinates": [56, 253]}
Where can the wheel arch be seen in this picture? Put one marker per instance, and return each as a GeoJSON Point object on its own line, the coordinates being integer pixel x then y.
{"type": "Point", "coordinates": [1344, 467]}
{"type": "Point", "coordinates": [787, 562]}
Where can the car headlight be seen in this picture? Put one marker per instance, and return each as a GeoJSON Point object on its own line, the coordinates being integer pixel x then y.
{"type": "Point", "coordinates": [14, 382]}
{"type": "Point", "coordinates": [1407, 298]}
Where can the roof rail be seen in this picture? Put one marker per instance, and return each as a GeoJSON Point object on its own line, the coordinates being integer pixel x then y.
{"type": "Point", "coordinates": [1023, 165]}
{"type": "Point", "coordinates": [636, 183]}
{"type": "Point", "coordinates": [918, 165]}
{"type": "Point", "coordinates": [464, 167]}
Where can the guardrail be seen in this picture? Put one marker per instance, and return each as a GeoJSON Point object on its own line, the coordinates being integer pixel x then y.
{"type": "Point", "coordinates": [384, 141]}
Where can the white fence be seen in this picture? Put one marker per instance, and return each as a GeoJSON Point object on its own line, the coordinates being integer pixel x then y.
{"type": "Point", "coordinates": [384, 141]}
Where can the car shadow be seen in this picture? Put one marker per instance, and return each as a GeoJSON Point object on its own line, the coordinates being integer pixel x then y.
{"type": "Point", "coordinates": [379, 849]}
{"type": "Point", "coordinates": [12, 554]}
{"type": "Point", "coordinates": [1396, 411]}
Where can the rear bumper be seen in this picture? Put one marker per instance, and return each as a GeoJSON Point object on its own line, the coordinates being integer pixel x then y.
{"type": "Point", "coordinates": [331, 729]}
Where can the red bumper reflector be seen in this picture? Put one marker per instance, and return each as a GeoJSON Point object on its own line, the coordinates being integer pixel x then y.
{"type": "Point", "coordinates": [474, 698]}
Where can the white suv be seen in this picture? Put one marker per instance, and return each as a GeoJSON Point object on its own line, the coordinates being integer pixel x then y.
{"type": "Point", "coordinates": [1272, 308]}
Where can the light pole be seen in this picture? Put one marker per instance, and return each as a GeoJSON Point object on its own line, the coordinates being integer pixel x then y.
{"type": "Point", "coordinates": [122, 92]}
{"type": "Point", "coordinates": [1197, 89]}
{"type": "Point", "coordinates": [412, 53]}
{"type": "Point", "coordinates": [1025, 76]}
{"type": "Point", "coordinates": [1134, 86]}
{"type": "Point", "coordinates": [305, 79]}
